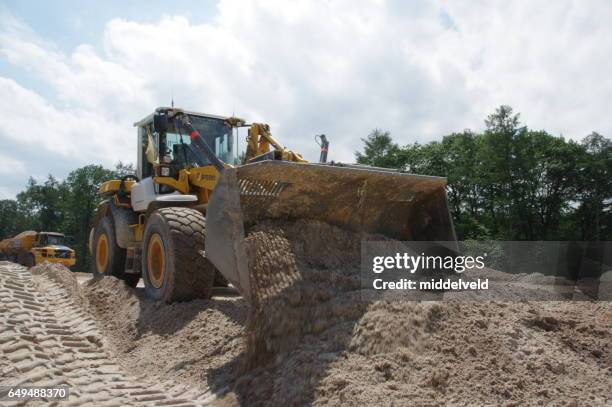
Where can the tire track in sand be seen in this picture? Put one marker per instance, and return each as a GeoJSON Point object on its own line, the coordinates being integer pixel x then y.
{"type": "Point", "coordinates": [47, 340]}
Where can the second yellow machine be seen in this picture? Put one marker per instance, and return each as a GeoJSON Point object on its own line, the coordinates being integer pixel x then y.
{"type": "Point", "coordinates": [31, 248]}
{"type": "Point", "coordinates": [180, 222]}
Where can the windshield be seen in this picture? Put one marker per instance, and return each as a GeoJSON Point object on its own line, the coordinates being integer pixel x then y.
{"type": "Point", "coordinates": [55, 240]}
{"type": "Point", "coordinates": [214, 132]}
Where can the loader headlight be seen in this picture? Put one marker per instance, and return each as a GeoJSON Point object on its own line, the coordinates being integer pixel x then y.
{"type": "Point", "coordinates": [165, 171]}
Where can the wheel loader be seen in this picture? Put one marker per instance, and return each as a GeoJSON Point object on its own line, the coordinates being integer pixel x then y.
{"type": "Point", "coordinates": [180, 222]}
{"type": "Point", "coordinates": [30, 248]}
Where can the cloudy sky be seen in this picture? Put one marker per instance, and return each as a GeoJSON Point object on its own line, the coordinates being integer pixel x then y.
{"type": "Point", "coordinates": [75, 75]}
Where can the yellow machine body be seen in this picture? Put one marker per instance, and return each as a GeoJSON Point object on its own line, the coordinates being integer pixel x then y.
{"type": "Point", "coordinates": [30, 248]}
{"type": "Point", "coordinates": [271, 182]}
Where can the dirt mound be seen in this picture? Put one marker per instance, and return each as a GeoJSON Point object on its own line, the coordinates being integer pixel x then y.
{"type": "Point", "coordinates": [298, 272]}
{"type": "Point", "coordinates": [196, 343]}
{"type": "Point", "coordinates": [312, 338]}
{"type": "Point", "coordinates": [64, 278]}
{"type": "Point", "coordinates": [388, 327]}
{"type": "Point", "coordinates": [191, 343]}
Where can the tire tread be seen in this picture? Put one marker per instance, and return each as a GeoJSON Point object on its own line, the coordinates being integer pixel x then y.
{"type": "Point", "coordinates": [193, 273]}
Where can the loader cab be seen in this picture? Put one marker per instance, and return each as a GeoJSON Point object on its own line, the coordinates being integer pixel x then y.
{"type": "Point", "coordinates": [170, 146]}
{"type": "Point", "coordinates": [50, 239]}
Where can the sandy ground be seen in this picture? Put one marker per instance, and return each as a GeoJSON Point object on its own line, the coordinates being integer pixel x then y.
{"type": "Point", "coordinates": [313, 340]}
{"type": "Point", "coordinates": [48, 339]}
{"type": "Point", "coordinates": [310, 338]}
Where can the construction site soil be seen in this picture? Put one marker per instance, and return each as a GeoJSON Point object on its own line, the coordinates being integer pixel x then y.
{"type": "Point", "coordinates": [309, 337]}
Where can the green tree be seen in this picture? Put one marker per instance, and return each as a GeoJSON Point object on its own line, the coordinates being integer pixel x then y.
{"type": "Point", "coordinates": [11, 218]}
{"type": "Point", "coordinates": [41, 204]}
{"type": "Point", "coordinates": [123, 169]}
{"type": "Point", "coordinates": [379, 150]}
{"type": "Point", "coordinates": [510, 182]}
{"type": "Point", "coordinates": [67, 207]}
{"type": "Point", "coordinates": [27, 205]}
{"type": "Point", "coordinates": [82, 187]}
{"type": "Point", "coordinates": [594, 188]}
{"type": "Point", "coordinates": [497, 156]}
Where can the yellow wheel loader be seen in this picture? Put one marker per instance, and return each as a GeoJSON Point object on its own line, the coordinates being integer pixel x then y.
{"type": "Point", "coordinates": [30, 248]}
{"type": "Point", "coordinates": [180, 222]}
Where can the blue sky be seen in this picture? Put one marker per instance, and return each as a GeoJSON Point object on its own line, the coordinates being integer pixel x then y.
{"type": "Point", "coordinates": [66, 24]}
{"type": "Point", "coordinates": [79, 73]}
{"type": "Point", "coordinates": [69, 23]}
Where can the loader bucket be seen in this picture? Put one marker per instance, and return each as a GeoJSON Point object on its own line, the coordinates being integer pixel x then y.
{"type": "Point", "coordinates": [376, 201]}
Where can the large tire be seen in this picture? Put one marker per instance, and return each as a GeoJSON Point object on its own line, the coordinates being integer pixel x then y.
{"type": "Point", "coordinates": [26, 259]}
{"type": "Point", "coordinates": [173, 264]}
{"type": "Point", "coordinates": [108, 259]}
{"type": "Point", "coordinates": [30, 260]}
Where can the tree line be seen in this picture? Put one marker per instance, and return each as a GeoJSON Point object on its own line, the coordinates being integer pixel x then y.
{"type": "Point", "coordinates": [510, 182]}
{"type": "Point", "coordinates": [66, 206]}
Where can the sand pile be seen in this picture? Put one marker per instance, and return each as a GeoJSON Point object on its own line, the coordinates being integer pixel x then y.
{"type": "Point", "coordinates": [298, 272]}
{"type": "Point", "coordinates": [313, 339]}
{"type": "Point", "coordinates": [64, 277]}
{"type": "Point", "coordinates": [194, 343]}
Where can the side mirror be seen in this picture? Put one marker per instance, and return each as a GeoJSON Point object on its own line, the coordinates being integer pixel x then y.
{"type": "Point", "coordinates": [160, 123]}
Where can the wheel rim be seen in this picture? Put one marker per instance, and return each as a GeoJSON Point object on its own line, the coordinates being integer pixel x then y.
{"type": "Point", "coordinates": [102, 253]}
{"type": "Point", "coordinates": [156, 261]}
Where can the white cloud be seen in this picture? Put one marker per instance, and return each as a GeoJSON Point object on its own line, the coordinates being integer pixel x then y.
{"type": "Point", "coordinates": [420, 69]}
{"type": "Point", "coordinates": [11, 166]}
{"type": "Point", "coordinates": [39, 139]}
{"type": "Point", "coordinates": [70, 134]}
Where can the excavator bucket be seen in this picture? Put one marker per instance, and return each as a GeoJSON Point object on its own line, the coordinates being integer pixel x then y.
{"type": "Point", "coordinates": [373, 200]}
